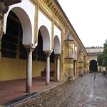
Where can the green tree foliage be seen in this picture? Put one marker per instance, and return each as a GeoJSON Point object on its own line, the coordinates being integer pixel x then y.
{"type": "Point", "coordinates": [100, 59]}
{"type": "Point", "coordinates": [104, 55]}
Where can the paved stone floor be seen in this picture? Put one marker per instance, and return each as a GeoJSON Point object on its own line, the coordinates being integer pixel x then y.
{"type": "Point", "coordinates": [16, 88]}
{"type": "Point", "coordinates": [89, 91]}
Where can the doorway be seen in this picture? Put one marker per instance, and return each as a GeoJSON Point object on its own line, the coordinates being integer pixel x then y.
{"type": "Point", "coordinates": [93, 66]}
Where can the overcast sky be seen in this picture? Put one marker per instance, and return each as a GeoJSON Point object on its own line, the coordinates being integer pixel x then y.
{"type": "Point", "coordinates": [89, 19]}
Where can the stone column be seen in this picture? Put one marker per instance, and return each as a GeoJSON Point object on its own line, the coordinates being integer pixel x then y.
{"type": "Point", "coordinates": [58, 67]}
{"type": "Point", "coordinates": [1, 29]}
{"type": "Point", "coordinates": [0, 46]}
{"type": "Point", "coordinates": [29, 70]}
{"type": "Point", "coordinates": [0, 54]}
{"type": "Point", "coordinates": [1, 33]}
{"type": "Point", "coordinates": [48, 67]}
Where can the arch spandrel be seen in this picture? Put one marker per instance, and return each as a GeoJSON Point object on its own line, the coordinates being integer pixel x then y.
{"type": "Point", "coordinates": [57, 32]}
{"type": "Point", "coordinates": [57, 45]}
{"type": "Point", "coordinates": [57, 40]}
{"type": "Point", "coordinates": [46, 38]}
{"type": "Point", "coordinates": [26, 18]}
{"type": "Point", "coordinates": [45, 23]}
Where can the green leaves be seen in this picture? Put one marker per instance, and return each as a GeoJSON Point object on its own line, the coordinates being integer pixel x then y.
{"type": "Point", "coordinates": [102, 58]}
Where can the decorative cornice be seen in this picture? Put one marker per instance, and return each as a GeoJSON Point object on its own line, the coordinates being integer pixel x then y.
{"type": "Point", "coordinates": [57, 14]}
{"type": "Point", "coordinates": [53, 10]}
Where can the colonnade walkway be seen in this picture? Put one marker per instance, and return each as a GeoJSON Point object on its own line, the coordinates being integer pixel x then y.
{"type": "Point", "coordinates": [14, 89]}
{"type": "Point", "coordinates": [89, 91]}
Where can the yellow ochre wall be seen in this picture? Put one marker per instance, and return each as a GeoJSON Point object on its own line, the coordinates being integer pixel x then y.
{"type": "Point", "coordinates": [12, 69]}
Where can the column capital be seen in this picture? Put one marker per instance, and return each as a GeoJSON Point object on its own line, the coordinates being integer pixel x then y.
{"type": "Point", "coordinates": [29, 49]}
{"type": "Point", "coordinates": [48, 53]}
{"type": "Point", "coordinates": [58, 55]}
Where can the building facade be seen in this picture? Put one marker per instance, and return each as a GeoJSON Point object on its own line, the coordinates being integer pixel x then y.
{"type": "Point", "coordinates": [92, 53]}
{"type": "Point", "coordinates": [37, 39]}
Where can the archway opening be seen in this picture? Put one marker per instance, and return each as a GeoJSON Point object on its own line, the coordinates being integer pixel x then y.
{"type": "Point", "coordinates": [93, 66]}
{"type": "Point", "coordinates": [57, 52]}
{"type": "Point", "coordinates": [13, 50]}
{"type": "Point", "coordinates": [45, 37]}
{"type": "Point", "coordinates": [39, 59]}
{"type": "Point", "coordinates": [52, 65]}
{"type": "Point", "coordinates": [39, 55]}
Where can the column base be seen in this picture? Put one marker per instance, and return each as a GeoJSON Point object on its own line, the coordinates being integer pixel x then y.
{"type": "Point", "coordinates": [80, 75]}
{"type": "Point", "coordinates": [57, 80]}
{"type": "Point", "coordinates": [47, 83]}
{"type": "Point", "coordinates": [28, 89]}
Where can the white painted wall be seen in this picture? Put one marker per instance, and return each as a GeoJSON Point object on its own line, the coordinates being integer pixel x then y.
{"type": "Point", "coordinates": [57, 40]}
{"type": "Point", "coordinates": [57, 45]}
{"type": "Point", "coordinates": [57, 32]}
{"type": "Point", "coordinates": [26, 13]}
{"type": "Point", "coordinates": [46, 38]}
{"type": "Point", "coordinates": [43, 20]}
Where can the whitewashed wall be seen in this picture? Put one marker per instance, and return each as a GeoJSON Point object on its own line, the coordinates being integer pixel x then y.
{"type": "Point", "coordinates": [26, 13]}
{"type": "Point", "coordinates": [44, 21]}
{"type": "Point", "coordinates": [57, 40]}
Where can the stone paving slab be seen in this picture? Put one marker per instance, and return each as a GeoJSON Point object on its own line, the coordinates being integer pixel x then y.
{"type": "Point", "coordinates": [91, 92]}
{"type": "Point", "coordinates": [87, 91]}
{"type": "Point", "coordinates": [57, 95]}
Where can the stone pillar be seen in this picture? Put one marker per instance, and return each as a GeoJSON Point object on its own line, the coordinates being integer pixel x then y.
{"type": "Point", "coordinates": [48, 67]}
{"type": "Point", "coordinates": [29, 70]}
{"type": "Point", "coordinates": [0, 54]}
{"type": "Point", "coordinates": [58, 67]}
{"type": "Point", "coordinates": [1, 33]}
{"type": "Point", "coordinates": [1, 29]}
{"type": "Point", "coordinates": [0, 46]}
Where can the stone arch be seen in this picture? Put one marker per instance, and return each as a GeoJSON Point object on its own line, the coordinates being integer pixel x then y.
{"type": "Point", "coordinates": [57, 45]}
{"type": "Point", "coordinates": [93, 66]}
{"type": "Point", "coordinates": [25, 23]}
{"type": "Point", "coordinates": [12, 39]}
{"type": "Point", "coordinates": [46, 38]}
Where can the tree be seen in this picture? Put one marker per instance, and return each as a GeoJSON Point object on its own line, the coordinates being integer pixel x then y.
{"type": "Point", "coordinates": [104, 54]}
{"type": "Point", "coordinates": [100, 59]}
